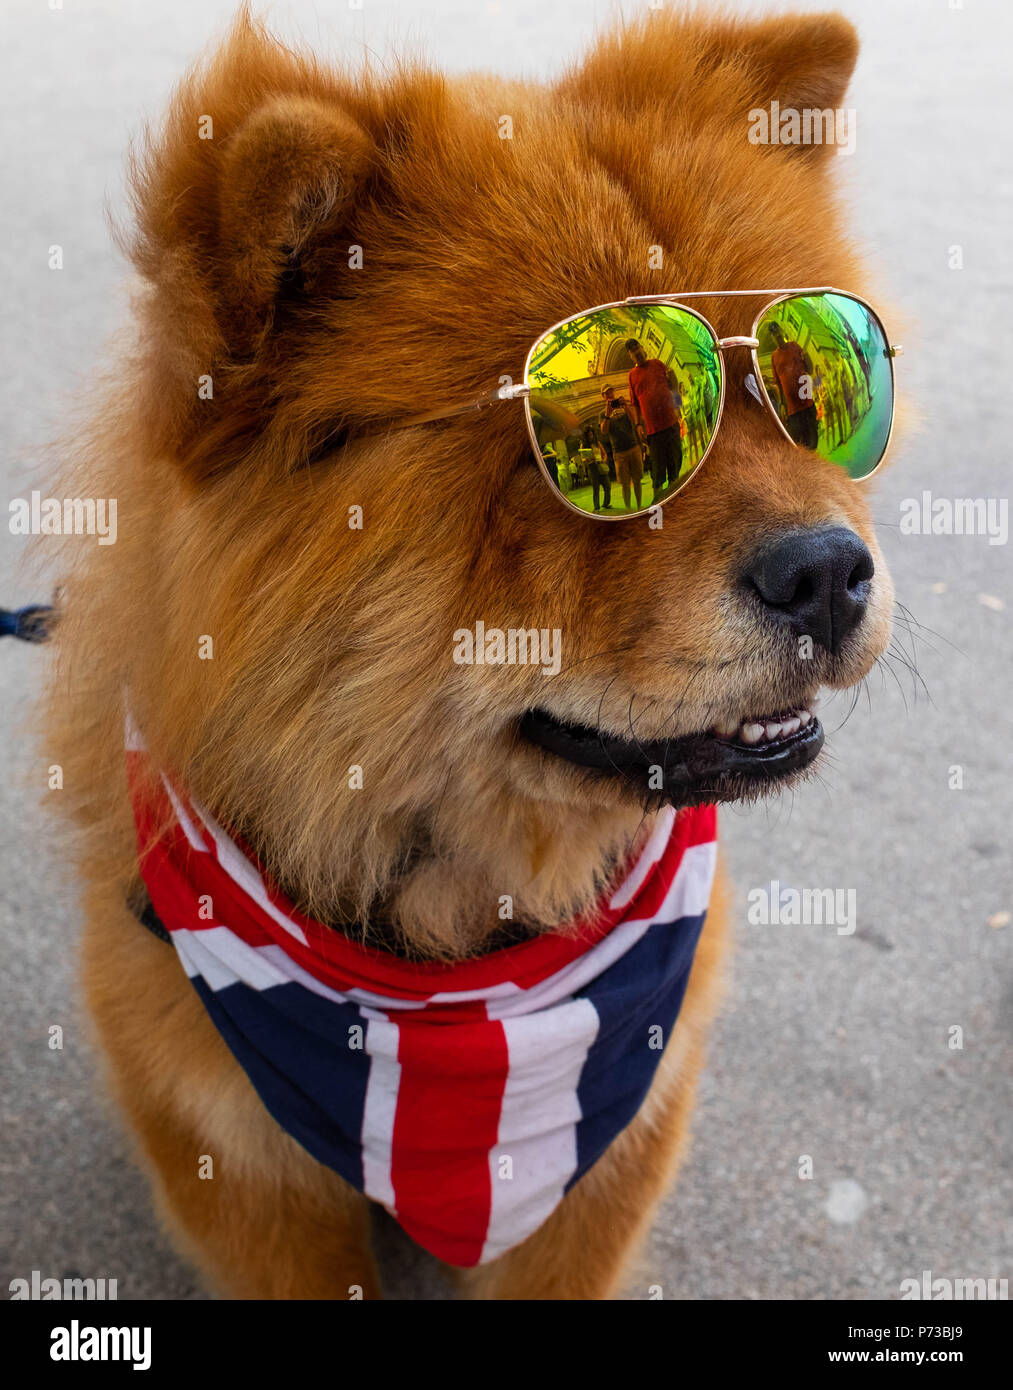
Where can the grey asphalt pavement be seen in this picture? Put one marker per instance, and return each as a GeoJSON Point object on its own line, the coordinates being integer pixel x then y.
{"type": "Point", "coordinates": [832, 1046]}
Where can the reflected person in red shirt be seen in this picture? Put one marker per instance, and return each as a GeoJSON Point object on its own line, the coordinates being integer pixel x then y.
{"type": "Point", "coordinates": [657, 407]}
{"type": "Point", "coordinates": [794, 372]}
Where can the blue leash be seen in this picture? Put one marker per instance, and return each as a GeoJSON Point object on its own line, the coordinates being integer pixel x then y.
{"type": "Point", "coordinates": [31, 624]}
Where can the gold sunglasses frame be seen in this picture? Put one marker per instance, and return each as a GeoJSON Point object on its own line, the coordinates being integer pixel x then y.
{"type": "Point", "coordinates": [750, 340]}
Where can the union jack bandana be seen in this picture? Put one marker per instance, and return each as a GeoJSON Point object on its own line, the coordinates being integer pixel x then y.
{"type": "Point", "coordinates": [467, 1098]}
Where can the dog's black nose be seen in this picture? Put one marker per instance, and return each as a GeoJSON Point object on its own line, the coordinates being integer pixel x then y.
{"type": "Point", "coordinates": [815, 581]}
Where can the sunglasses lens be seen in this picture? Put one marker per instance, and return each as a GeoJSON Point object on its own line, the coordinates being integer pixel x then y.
{"type": "Point", "coordinates": [826, 368]}
{"type": "Point", "coordinates": [623, 405]}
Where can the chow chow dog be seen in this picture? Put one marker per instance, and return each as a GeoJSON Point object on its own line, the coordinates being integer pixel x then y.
{"type": "Point", "coordinates": [328, 263]}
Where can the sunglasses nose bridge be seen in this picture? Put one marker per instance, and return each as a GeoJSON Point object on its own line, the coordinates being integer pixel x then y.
{"type": "Point", "coordinates": [737, 342]}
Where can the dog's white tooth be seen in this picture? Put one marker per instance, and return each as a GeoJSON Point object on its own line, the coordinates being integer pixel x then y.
{"type": "Point", "coordinates": [772, 730]}
{"type": "Point", "coordinates": [726, 727]}
{"type": "Point", "coordinates": [751, 733]}
{"type": "Point", "coordinates": [804, 717]}
{"type": "Point", "coordinates": [791, 726]}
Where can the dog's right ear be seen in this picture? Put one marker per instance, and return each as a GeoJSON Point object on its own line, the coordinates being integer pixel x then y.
{"type": "Point", "coordinates": [290, 171]}
{"type": "Point", "coordinates": [258, 167]}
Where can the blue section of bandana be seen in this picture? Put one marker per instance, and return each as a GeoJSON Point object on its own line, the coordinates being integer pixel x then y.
{"type": "Point", "coordinates": [642, 992]}
{"type": "Point", "coordinates": [296, 1049]}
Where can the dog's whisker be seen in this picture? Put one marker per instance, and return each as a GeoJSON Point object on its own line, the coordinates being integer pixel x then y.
{"type": "Point", "coordinates": [908, 662]}
{"type": "Point", "coordinates": [917, 629]}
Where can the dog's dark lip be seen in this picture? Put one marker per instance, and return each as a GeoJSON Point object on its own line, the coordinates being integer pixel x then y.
{"type": "Point", "coordinates": [694, 767]}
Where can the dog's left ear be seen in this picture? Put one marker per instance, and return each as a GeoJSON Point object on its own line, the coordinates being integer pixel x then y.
{"type": "Point", "coordinates": [705, 72]}
{"type": "Point", "coordinates": [803, 63]}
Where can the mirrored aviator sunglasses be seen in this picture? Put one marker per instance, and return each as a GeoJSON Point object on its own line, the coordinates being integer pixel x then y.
{"type": "Point", "coordinates": [624, 401]}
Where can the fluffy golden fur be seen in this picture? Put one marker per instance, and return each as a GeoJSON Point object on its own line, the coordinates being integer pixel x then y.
{"type": "Point", "coordinates": [332, 645]}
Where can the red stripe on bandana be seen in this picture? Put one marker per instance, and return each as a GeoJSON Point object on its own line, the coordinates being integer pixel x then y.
{"type": "Point", "coordinates": [177, 876]}
{"type": "Point", "coordinates": [447, 1122]}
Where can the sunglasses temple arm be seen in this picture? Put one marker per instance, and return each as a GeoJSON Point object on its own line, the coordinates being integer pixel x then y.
{"type": "Point", "coordinates": [502, 393]}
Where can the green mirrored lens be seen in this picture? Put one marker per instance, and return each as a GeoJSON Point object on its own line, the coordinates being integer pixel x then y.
{"type": "Point", "coordinates": [624, 402]}
{"type": "Point", "coordinates": [826, 368]}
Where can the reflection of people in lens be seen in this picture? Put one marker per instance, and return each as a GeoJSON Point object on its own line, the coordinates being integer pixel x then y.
{"type": "Point", "coordinates": [848, 391]}
{"type": "Point", "coordinates": [593, 454]}
{"type": "Point", "coordinates": [794, 374]}
{"type": "Point", "coordinates": [657, 408]}
{"type": "Point", "coordinates": [619, 428]}
{"type": "Point", "coordinates": [693, 413]}
{"type": "Point", "coordinates": [551, 461]}
{"type": "Point", "coordinates": [836, 404]}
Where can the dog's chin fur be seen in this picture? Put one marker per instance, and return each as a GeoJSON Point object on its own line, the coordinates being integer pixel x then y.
{"type": "Point", "coordinates": [331, 645]}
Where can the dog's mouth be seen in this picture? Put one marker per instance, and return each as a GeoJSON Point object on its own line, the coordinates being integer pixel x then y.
{"type": "Point", "coordinates": [731, 760]}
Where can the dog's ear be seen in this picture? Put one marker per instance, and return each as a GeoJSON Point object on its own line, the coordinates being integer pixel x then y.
{"type": "Point", "coordinates": [292, 169]}
{"type": "Point", "coordinates": [716, 71]}
{"type": "Point", "coordinates": [258, 164]}
{"type": "Point", "coordinates": [802, 62]}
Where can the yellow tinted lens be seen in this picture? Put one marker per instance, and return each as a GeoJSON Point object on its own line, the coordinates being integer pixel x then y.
{"type": "Point", "coordinates": [624, 403]}
{"type": "Point", "coordinates": [826, 368]}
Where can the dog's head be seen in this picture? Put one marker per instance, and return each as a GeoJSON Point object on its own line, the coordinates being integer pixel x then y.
{"type": "Point", "coordinates": [326, 255]}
